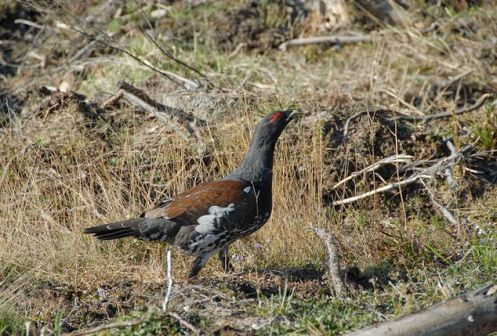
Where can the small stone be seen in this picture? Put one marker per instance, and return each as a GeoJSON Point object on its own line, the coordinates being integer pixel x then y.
{"type": "Point", "coordinates": [158, 13]}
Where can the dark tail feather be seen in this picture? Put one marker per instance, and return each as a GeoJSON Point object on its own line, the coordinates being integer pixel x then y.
{"type": "Point", "coordinates": [158, 229]}
{"type": "Point", "coordinates": [127, 228]}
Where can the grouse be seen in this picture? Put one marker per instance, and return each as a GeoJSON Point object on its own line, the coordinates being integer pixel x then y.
{"type": "Point", "coordinates": [212, 215]}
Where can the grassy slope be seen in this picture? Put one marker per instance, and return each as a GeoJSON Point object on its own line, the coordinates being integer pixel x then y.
{"type": "Point", "coordinates": [64, 173]}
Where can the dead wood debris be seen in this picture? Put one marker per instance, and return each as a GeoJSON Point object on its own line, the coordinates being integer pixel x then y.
{"type": "Point", "coordinates": [471, 314]}
{"type": "Point", "coordinates": [333, 261]}
{"type": "Point", "coordinates": [439, 166]}
{"type": "Point", "coordinates": [334, 39]}
{"type": "Point", "coordinates": [132, 323]}
{"type": "Point", "coordinates": [447, 114]}
{"type": "Point", "coordinates": [423, 118]}
{"type": "Point", "coordinates": [183, 123]}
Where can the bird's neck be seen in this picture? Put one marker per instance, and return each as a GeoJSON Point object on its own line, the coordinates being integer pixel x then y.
{"type": "Point", "coordinates": [258, 164]}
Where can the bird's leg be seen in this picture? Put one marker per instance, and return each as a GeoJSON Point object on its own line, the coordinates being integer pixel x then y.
{"type": "Point", "coordinates": [198, 264]}
{"type": "Point", "coordinates": [225, 260]}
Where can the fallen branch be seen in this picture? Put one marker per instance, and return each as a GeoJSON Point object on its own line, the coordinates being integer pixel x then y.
{"type": "Point", "coordinates": [132, 323]}
{"type": "Point", "coordinates": [103, 327]}
{"type": "Point", "coordinates": [387, 187]}
{"type": "Point", "coordinates": [428, 172]}
{"type": "Point", "coordinates": [403, 102]}
{"type": "Point", "coordinates": [358, 114]}
{"type": "Point", "coordinates": [423, 118]}
{"type": "Point", "coordinates": [471, 314]}
{"type": "Point", "coordinates": [449, 171]}
{"type": "Point", "coordinates": [184, 323]}
{"type": "Point", "coordinates": [401, 158]}
{"type": "Point", "coordinates": [170, 55]}
{"type": "Point", "coordinates": [335, 39]}
{"type": "Point", "coordinates": [333, 261]}
{"type": "Point", "coordinates": [185, 124]}
{"type": "Point", "coordinates": [113, 99]}
{"type": "Point", "coordinates": [103, 39]}
{"type": "Point", "coordinates": [29, 23]}
{"type": "Point", "coordinates": [447, 114]}
{"type": "Point", "coordinates": [443, 210]}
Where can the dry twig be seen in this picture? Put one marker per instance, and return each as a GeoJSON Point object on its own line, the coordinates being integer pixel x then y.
{"type": "Point", "coordinates": [184, 323]}
{"type": "Point", "coordinates": [387, 187]}
{"type": "Point", "coordinates": [428, 172]}
{"type": "Point", "coordinates": [449, 171]}
{"type": "Point", "coordinates": [104, 40]}
{"type": "Point", "coordinates": [333, 261]}
{"type": "Point", "coordinates": [423, 118]}
{"type": "Point", "coordinates": [183, 123]}
{"type": "Point", "coordinates": [445, 212]}
{"type": "Point", "coordinates": [471, 314]}
{"type": "Point", "coordinates": [401, 158]}
{"type": "Point", "coordinates": [447, 114]}
{"type": "Point", "coordinates": [335, 39]}
{"type": "Point", "coordinates": [402, 101]}
{"type": "Point", "coordinates": [103, 327]}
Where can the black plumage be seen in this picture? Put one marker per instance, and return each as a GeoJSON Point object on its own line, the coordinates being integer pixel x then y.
{"type": "Point", "coordinates": [212, 215]}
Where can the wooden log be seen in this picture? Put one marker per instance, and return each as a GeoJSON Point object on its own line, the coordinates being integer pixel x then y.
{"type": "Point", "coordinates": [471, 314]}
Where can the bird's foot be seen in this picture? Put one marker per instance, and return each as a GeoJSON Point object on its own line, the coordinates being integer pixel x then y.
{"type": "Point", "coordinates": [225, 260]}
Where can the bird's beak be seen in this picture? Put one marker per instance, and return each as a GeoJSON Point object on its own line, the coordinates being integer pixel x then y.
{"type": "Point", "coordinates": [292, 114]}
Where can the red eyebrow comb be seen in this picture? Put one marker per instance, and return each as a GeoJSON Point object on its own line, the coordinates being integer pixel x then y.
{"type": "Point", "coordinates": [277, 116]}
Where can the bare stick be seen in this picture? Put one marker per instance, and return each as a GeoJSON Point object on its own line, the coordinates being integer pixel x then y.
{"type": "Point", "coordinates": [356, 115]}
{"type": "Point", "coordinates": [131, 323]}
{"type": "Point", "coordinates": [184, 323]}
{"type": "Point", "coordinates": [103, 327]}
{"type": "Point", "coordinates": [441, 115]}
{"type": "Point", "coordinates": [165, 52]}
{"type": "Point", "coordinates": [333, 261]}
{"type": "Point", "coordinates": [445, 212]}
{"type": "Point", "coordinates": [471, 314]}
{"type": "Point", "coordinates": [113, 99]}
{"type": "Point", "coordinates": [169, 263]}
{"type": "Point", "coordinates": [402, 101]}
{"type": "Point", "coordinates": [29, 23]}
{"type": "Point", "coordinates": [170, 55]}
{"type": "Point", "coordinates": [178, 80]}
{"type": "Point", "coordinates": [423, 173]}
{"type": "Point", "coordinates": [387, 187]}
{"type": "Point", "coordinates": [185, 124]}
{"type": "Point", "coordinates": [335, 39]}
{"type": "Point", "coordinates": [401, 158]}
{"type": "Point", "coordinates": [424, 118]}
{"type": "Point", "coordinates": [449, 83]}
{"type": "Point", "coordinates": [449, 171]}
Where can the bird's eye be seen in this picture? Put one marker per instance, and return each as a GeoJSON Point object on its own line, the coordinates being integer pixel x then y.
{"type": "Point", "coordinates": [277, 116]}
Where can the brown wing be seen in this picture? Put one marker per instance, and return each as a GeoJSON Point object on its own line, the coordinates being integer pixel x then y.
{"type": "Point", "coordinates": [188, 206]}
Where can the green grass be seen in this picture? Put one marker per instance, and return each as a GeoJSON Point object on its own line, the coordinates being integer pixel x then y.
{"type": "Point", "coordinates": [11, 323]}
{"type": "Point", "coordinates": [295, 316]}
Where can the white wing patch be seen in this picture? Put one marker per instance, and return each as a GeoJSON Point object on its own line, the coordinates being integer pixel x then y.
{"type": "Point", "coordinates": [247, 189]}
{"type": "Point", "coordinates": [207, 223]}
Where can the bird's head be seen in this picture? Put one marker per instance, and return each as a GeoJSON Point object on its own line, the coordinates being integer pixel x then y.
{"type": "Point", "coordinates": [270, 127]}
{"type": "Point", "coordinates": [258, 162]}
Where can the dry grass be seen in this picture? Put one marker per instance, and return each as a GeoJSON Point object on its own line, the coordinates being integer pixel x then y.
{"type": "Point", "coordinates": [63, 172]}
